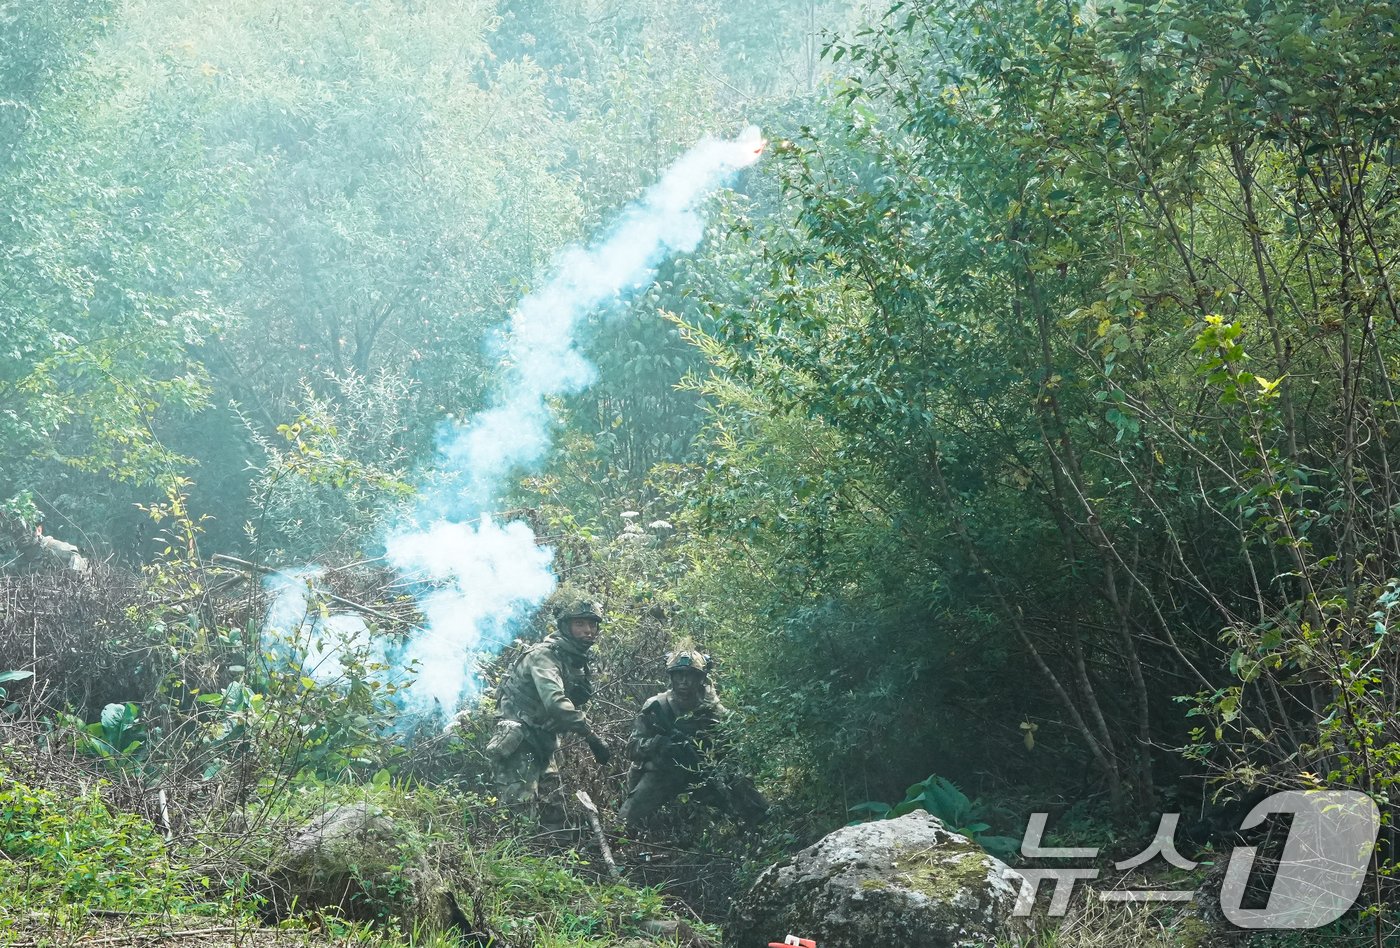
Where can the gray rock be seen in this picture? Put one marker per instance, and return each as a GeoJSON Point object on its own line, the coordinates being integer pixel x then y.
{"type": "Point", "coordinates": [339, 832]}
{"type": "Point", "coordinates": [906, 881]}
{"type": "Point", "coordinates": [360, 863]}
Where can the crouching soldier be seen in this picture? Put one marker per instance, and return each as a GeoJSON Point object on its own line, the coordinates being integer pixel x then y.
{"type": "Point", "coordinates": [539, 699]}
{"type": "Point", "coordinates": [674, 749]}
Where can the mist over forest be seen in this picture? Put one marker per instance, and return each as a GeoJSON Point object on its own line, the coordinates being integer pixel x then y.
{"type": "Point", "coordinates": [992, 397]}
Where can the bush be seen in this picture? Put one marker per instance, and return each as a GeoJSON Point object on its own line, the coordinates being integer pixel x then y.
{"type": "Point", "coordinates": [74, 856]}
{"type": "Point", "coordinates": [547, 901]}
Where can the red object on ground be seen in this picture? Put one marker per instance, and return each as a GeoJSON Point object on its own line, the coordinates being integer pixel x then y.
{"type": "Point", "coordinates": [793, 940]}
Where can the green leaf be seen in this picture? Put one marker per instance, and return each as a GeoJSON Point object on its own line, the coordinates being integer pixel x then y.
{"type": "Point", "coordinates": [112, 717]}
{"type": "Point", "coordinates": [1003, 847]}
{"type": "Point", "coordinates": [874, 809]}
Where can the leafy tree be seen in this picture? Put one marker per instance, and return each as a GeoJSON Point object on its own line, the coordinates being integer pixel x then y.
{"type": "Point", "coordinates": [95, 361]}
{"type": "Point", "coordinates": [1041, 306]}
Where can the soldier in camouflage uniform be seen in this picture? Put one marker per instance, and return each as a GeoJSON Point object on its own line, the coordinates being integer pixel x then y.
{"type": "Point", "coordinates": [540, 698]}
{"type": "Point", "coordinates": [673, 748]}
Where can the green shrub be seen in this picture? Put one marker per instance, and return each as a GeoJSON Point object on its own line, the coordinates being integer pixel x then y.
{"type": "Point", "coordinates": [75, 853]}
{"type": "Point", "coordinates": [546, 900]}
{"type": "Point", "coordinates": [941, 797]}
{"type": "Point", "coordinates": [425, 842]}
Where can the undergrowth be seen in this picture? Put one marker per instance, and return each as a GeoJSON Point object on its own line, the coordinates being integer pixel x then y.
{"type": "Point", "coordinates": [69, 864]}
{"type": "Point", "coordinates": [67, 859]}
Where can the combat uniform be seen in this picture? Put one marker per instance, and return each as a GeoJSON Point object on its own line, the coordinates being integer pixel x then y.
{"type": "Point", "coordinates": [541, 698]}
{"type": "Point", "coordinates": [674, 752]}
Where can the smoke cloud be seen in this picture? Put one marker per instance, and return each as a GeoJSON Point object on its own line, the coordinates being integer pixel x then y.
{"type": "Point", "coordinates": [301, 632]}
{"type": "Point", "coordinates": [478, 578]}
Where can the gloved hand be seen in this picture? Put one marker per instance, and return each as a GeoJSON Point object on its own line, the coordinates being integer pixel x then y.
{"type": "Point", "coordinates": [600, 750]}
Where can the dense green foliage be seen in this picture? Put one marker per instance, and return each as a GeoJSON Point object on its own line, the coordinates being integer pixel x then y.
{"type": "Point", "coordinates": [1065, 391]}
{"type": "Point", "coordinates": [1026, 418]}
{"type": "Point", "coordinates": [74, 856]}
{"type": "Point", "coordinates": [345, 205]}
{"type": "Point", "coordinates": [68, 861]}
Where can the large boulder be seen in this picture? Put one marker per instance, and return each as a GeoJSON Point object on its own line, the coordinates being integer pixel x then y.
{"type": "Point", "coordinates": [906, 881]}
{"type": "Point", "coordinates": [362, 864]}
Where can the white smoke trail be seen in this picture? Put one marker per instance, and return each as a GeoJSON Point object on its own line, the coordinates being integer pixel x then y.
{"type": "Point", "coordinates": [484, 576]}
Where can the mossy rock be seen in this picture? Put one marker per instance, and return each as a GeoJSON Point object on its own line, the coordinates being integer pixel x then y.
{"type": "Point", "coordinates": [361, 864]}
{"type": "Point", "coordinates": [907, 881]}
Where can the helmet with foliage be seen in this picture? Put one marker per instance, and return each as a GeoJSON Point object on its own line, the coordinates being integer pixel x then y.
{"type": "Point", "coordinates": [687, 659]}
{"type": "Point", "coordinates": [578, 609]}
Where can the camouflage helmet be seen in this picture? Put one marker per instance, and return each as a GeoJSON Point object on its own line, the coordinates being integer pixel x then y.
{"type": "Point", "coordinates": [687, 660]}
{"type": "Point", "coordinates": [578, 609]}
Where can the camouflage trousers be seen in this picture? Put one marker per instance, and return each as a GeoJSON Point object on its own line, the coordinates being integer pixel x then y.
{"type": "Point", "coordinates": [653, 789]}
{"type": "Point", "coordinates": [527, 780]}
